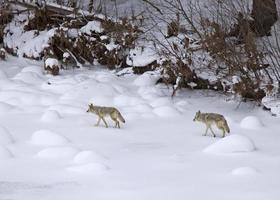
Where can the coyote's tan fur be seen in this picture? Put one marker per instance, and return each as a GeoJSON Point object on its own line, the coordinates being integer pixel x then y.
{"type": "Point", "coordinates": [101, 112]}
{"type": "Point", "coordinates": [212, 118]}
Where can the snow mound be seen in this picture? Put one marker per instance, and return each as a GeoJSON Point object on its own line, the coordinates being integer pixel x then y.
{"type": "Point", "coordinates": [251, 122]}
{"type": "Point", "coordinates": [242, 171]}
{"type": "Point", "coordinates": [85, 157]}
{"type": "Point", "coordinates": [166, 111]}
{"type": "Point", "coordinates": [231, 144]}
{"type": "Point", "coordinates": [62, 152]}
{"type": "Point", "coordinates": [48, 138]}
{"type": "Point", "coordinates": [50, 116]}
{"type": "Point", "coordinates": [5, 136]}
{"type": "Point", "coordinates": [5, 153]}
{"type": "Point", "coordinates": [33, 68]}
{"type": "Point", "coordinates": [91, 168]}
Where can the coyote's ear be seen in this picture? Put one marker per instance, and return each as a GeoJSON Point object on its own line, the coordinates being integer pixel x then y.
{"type": "Point", "coordinates": [198, 112]}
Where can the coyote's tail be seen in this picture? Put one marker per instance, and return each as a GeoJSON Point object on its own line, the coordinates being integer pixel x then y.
{"type": "Point", "coordinates": [121, 117]}
{"type": "Point", "coordinates": [226, 127]}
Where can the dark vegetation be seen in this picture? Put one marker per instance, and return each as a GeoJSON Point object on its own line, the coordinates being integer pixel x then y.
{"type": "Point", "coordinates": [231, 49]}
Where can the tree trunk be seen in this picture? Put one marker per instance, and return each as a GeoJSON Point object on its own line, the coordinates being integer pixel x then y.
{"type": "Point", "coordinates": [90, 6]}
{"type": "Point", "coordinates": [265, 15]}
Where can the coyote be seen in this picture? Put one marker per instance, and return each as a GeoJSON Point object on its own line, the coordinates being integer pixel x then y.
{"type": "Point", "coordinates": [101, 112]}
{"type": "Point", "coordinates": [212, 118]}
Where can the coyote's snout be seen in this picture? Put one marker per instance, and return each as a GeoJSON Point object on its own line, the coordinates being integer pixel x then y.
{"type": "Point", "coordinates": [212, 118]}
{"type": "Point", "coordinates": [101, 112]}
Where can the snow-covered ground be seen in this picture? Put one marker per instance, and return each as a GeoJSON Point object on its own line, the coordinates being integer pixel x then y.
{"type": "Point", "coordinates": [51, 150]}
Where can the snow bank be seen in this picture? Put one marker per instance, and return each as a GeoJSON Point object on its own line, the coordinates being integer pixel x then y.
{"type": "Point", "coordinates": [48, 138]}
{"type": "Point", "coordinates": [5, 153]}
{"type": "Point", "coordinates": [62, 152]}
{"type": "Point", "coordinates": [5, 136]}
{"type": "Point", "coordinates": [141, 57]}
{"type": "Point", "coordinates": [33, 68]}
{"type": "Point", "coordinates": [50, 116]}
{"type": "Point", "coordinates": [242, 171]}
{"type": "Point", "coordinates": [251, 122]}
{"type": "Point", "coordinates": [27, 43]}
{"type": "Point", "coordinates": [89, 169]}
{"type": "Point", "coordinates": [85, 157]}
{"type": "Point", "coordinates": [231, 144]}
{"type": "Point", "coordinates": [273, 103]}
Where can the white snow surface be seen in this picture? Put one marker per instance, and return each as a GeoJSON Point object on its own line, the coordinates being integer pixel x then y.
{"type": "Point", "coordinates": [5, 154]}
{"type": "Point", "coordinates": [244, 171]}
{"type": "Point", "coordinates": [5, 136]}
{"type": "Point", "coordinates": [56, 152]}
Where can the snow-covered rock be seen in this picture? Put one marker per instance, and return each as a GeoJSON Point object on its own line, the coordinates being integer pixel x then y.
{"type": "Point", "coordinates": [251, 122]}
{"type": "Point", "coordinates": [92, 26]}
{"type": "Point", "coordinates": [48, 138]}
{"type": "Point", "coordinates": [231, 144]}
{"type": "Point", "coordinates": [50, 116]}
{"type": "Point", "coordinates": [63, 152]}
{"type": "Point", "coordinates": [51, 62]}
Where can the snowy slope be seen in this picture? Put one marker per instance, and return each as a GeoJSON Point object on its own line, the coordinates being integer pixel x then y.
{"type": "Point", "coordinates": [51, 150]}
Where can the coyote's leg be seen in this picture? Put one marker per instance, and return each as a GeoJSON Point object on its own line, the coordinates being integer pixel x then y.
{"type": "Point", "coordinates": [117, 124]}
{"type": "Point", "coordinates": [206, 130]}
{"type": "Point", "coordinates": [98, 121]}
{"type": "Point", "coordinates": [104, 122]}
{"type": "Point", "coordinates": [212, 131]}
{"type": "Point", "coordinates": [224, 133]}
